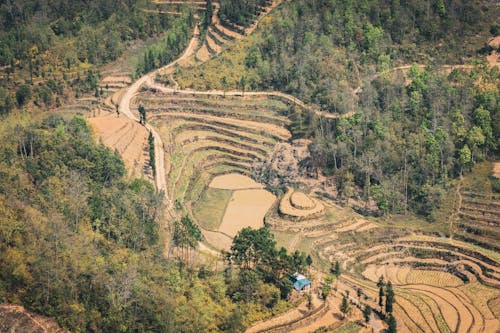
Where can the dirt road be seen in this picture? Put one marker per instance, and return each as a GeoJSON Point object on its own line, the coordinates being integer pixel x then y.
{"type": "Point", "coordinates": [124, 108]}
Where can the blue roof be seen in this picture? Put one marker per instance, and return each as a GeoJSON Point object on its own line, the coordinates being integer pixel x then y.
{"type": "Point", "coordinates": [299, 284]}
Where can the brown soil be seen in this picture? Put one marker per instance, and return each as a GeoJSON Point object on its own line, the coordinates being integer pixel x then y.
{"type": "Point", "coordinates": [15, 318]}
{"type": "Point", "coordinates": [435, 278]}
{"type": "Point", "coordinates": [287, 208]}
{"type": "Point", "coordinates": [129, 138]}
{"type": "Point", "coordinates": [496, 170]}
{"type": "Point", "coordinates": [203, 53]}
{"type": "Point", "coordinates": [246, 208]}
{"type": "Point", "coordinates": [234, 181]}
{"type": "Point", "coordinates": [494, 58]}
{"type": "Point", "coordinates": [213, 45]}
{"type": "Point", "coordinates": [218, 240]}
{"type": "Point", "coordinates": [470, 318]}
{"type": "Point", "coordinates": [300, 200]}
{"type": "Point", "coordinates": [244, 124]}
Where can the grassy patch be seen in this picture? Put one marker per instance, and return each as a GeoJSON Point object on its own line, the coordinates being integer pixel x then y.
{"type": "Point", "coordinates": [284, 238]}
{"type": "Point", "coordinates": [415, 223]}
{"type": "Point", "coordinates": [350, 327]}
{"type": "Point", "coordinates": [479, 179]}
{"type": "Point", "coordinates": [210, 210]}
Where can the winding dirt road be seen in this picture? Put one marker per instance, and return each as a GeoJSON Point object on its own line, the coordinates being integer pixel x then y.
{"type": "Point", "coordinates": [124, 108]}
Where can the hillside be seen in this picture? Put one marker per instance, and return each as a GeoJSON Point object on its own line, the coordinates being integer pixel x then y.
{"type": "Point", "coordinates": [167, 166]}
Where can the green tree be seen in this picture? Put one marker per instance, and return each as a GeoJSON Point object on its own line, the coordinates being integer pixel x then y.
{"type": "Point", "coordinates": [209, 12]}
{"type": "Point", "coordinates": [392, 324]}
{"type": "Point", "coordinates": [344, 306]}
{"type": "Point", "coordinates": [389, 298]}
{"type": "Point", "coordinates": [325, 290]}
{"type": "Point", "coordinates": [381, 297]}
{"type": "Point", "coordinates": [23, 95]}
{"type": "Point", "coordinates": [152, 154]}
{"type": "Point", "coordinates": [286, 286]}
{"type": "Point", "coordinates": [142, 114]}
{"type": "Point", "coordinates": [367, 312]}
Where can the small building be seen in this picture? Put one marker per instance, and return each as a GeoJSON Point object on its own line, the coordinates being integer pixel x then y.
{"type": "Point", "coordinates": [300, 282]}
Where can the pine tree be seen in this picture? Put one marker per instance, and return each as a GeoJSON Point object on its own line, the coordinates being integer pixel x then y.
{"type": "Point", "coordinates": [381, 297]}
{"type": "Point", "coordinates": [367, 311]}
{"type": "Point", "coordinates": [208, 14]}
{"type": "Point", "coordinates": [142, 115]}
{"type": "Point", "coordinates": [392, 324]}
{"type": "Point", "coordinates": [389, 299]}
{"type": "Point", "coordinates": [344, 307]}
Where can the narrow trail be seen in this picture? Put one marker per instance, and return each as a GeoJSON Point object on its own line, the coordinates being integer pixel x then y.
{"type": "Point", "coordinates": [372, 77]}
{"type": "Point", "coordinates": [455, 214]}
{"type": "Point", "coordinates": [222, 93]}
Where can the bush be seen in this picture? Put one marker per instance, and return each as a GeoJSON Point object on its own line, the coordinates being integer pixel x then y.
{"type": "Point", "coordinates": [23, 95]}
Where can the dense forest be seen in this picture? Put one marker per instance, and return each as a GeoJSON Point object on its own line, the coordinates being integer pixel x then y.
{"type": "Point", "coordinates": [81, 243]}
{"type": "Point", "coordinates": [414, 131]}
{"type": "Point", "coordinates": [242, 12]}
{"type": "Point", "coordinates": [407, 143]}
{"type": "Point", "coordinates": [51, 50]}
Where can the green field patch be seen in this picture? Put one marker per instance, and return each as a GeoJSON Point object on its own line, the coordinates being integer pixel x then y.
{"type": "Point", "coordinates": [350, 327]}
{"type": "Point", "coordinates": [211, 207]}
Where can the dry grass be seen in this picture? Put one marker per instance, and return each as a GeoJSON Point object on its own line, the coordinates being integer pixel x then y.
{"type": "Point", "coordinates": [480, 295]}
{"type": "Point", "coordinates": [246, 208]}
{"type": "Point", "coordinates": [234, 181]}
{"type": "Point", "coordinates": [286, 208]}
{"type": "Point", "coordinates": [209, 211]}
{"type": "Point", "coordinates": [434, 278]}
{"type": "Point", "coordinates": [300, 200]}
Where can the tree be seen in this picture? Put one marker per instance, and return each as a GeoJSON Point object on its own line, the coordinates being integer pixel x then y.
{"type": "Point", "coordinates": [8, 105]}
{"type": "Point", "coordinates": [253, 249]}
{"type": "Point", "coordinates": [344, 307]}
{"type": "Point", "coordinates": [309, 260]}
{"type": "Point", "coordinates": [186, 235]}
{"type": "Point", "coordinates": [23, 95]}
{"type": "Point", "coordinates": [224, 85]}
{"type": "Point", "coordinates": [335, 269]}
{"type": "Point", "coordinates": [381, 297]}
{"type": "Point", "coordinates": [325, 290]}
{"type": "Point", "coordinates": [208, 14]}
{"type": "Point", "coordinates": [286, 286]}
{"type": "Point", "coordinates": [389, 298]}
{"type": "Point", "coordinates": [392, 324]}
{"type": "Point", "coordinates": [243, 84]}
{"type": "Point", "coordinates": [309, 301]}
{"type": "Point", "coordinates": [142, 115]}
{"type": "Point", "coordinates": [381, 281]}
{"type": "Point", "coordinates": [152, 155]}
{"type": "Point", "coordinates": [367, 312]}
{"type": "Point", "coordinates": [359, 292]}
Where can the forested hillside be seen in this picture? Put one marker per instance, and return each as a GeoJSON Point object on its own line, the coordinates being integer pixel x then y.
{"type": "Point", "coordinates": [167, 166]}
{"type": "Point", "coordinates": [50, 51]}
{"type": "Point", "coordinates": [81, 243]}
{"type": "Point", "coordinates": [415, 129]}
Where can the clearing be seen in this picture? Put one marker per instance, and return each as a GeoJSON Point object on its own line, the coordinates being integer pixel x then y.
{"type": "Point", "coordinates": [234, 181]}
{"type": "Point", "coordinates": [129, 138]}
{"type": "Point", "coordinates": [246, 208]}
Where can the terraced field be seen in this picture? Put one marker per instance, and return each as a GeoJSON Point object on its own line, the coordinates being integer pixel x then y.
{"type": "Point", "coordinates": [479, 219]}
{"type": "Point", "coordinates": [208, 136]}
{"type": "Point", "coordinates": [442, 284]}
{"type": "Point", "coordinates": [431, 275]}
{"type": "Point", "coordinates": [129, 138]}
